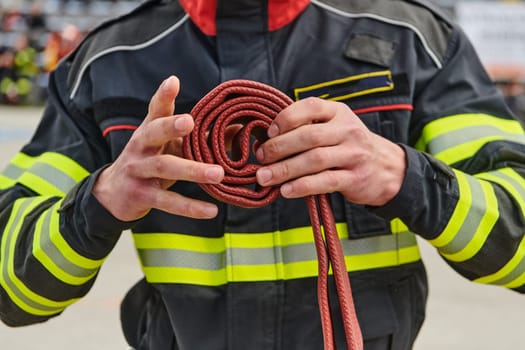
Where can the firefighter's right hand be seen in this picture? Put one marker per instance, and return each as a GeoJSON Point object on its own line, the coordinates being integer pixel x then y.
{"type": "Point", "coordinates": [152, 161]}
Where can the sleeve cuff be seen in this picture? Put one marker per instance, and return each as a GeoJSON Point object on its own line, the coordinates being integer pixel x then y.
{"type": "Point", "coordinates": [94, 229]}
{"type": "Point", "coordinates": [411, 189]}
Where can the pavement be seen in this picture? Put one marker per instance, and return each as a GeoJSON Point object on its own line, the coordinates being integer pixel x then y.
{"type": "Point", "coordinates": [460, 315]}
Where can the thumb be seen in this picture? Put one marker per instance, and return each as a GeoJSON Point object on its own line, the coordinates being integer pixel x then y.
{"type": "Point", "coordinates": [162, 104]}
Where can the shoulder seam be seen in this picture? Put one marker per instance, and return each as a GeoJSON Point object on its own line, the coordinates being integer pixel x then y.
{"type": "Point", "coordinates": [136, 47]}
{"type": "Point", "coordinates": [433, 55]}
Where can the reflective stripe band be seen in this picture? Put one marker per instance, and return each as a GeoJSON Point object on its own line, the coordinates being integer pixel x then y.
{"type": "Point", "coordinates": [459, 214]}
{"type": "Point", "coordinates": [477, 227]}
{"type": "Point", "coordinates": [6, 182]}
{"type": "Point", "coordinates": [237, 257]}
{"type": "Point", "coordinates": [509, 273]}
{"type": "Point", "coordinates": [48, 174]}
{"type": "Point", "coordinates": [455, 138]}
{"type": "Point", "coordinates": [19, 293]}
{"type": "Point", "coordinates": [53, 258]}
{"type": "Point", "coordinates": [511, 181]}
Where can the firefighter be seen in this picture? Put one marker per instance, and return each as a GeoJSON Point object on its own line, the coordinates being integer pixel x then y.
{"type": "Point", "coordinates": [394, 117]}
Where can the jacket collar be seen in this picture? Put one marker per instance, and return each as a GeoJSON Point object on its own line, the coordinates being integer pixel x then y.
{"type": "Point", "coordinates": [279, 13]}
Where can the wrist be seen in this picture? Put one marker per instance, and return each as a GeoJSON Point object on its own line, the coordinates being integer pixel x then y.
{"type": "Point", "coordinates": [392, 158]}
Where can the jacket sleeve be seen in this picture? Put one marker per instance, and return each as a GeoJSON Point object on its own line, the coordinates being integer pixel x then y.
{"type": "Point", "coordinates": [54, 234]}
{"type": "Point", "coordinates": [464, 189]}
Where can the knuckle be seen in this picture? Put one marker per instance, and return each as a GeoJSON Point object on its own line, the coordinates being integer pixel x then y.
{"type": "Point", "coordinates": [316, 136]}
{"type": "Point", "coordinates": [283, 171]}
{"type": "Point", "coordinates": [332, 182]}
{"type": "Point", "coordinates": [320, 158]}
{"type": "Point", "coordinates": [158, 165]}
{"type": "Point", "coordinates": [271, 149]}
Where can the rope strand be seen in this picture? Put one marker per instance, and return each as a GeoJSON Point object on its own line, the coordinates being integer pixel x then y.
{"type": "Point", "coordinates": [254, 105]}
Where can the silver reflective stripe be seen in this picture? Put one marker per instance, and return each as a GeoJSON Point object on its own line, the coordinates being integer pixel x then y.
{"type": "Point", "coordinates": [470, 225]}
{"type": "Point", "coordinates": [53, 176]}
{"type": "Point", "coordinates": [49, 248]}
{"type": "Point", "coordinates": [8, 260]}
{"type": "Point", "coordinates": [13, 172]}
{"type": "Point", "coordinates": [515, 274]}
{"type": "Point", "coordinates": [468, 134]}
{"type": "Point", "coordinates": [268, 255]}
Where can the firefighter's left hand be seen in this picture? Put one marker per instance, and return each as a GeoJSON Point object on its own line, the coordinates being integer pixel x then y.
{"type": "Point", "coordinates": [319, 146]}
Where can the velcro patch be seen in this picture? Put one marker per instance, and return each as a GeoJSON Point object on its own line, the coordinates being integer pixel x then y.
{"type": "Point", "coordinates": [349, 87]}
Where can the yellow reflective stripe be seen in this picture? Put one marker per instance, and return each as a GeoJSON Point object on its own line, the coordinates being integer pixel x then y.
{"type": "Point", "coordinates": [19, 162]}
{"type": "Point", "coordinates": [50, 173]}
{"type": "Point", "coordinates": [69, 253]}
{"type": "Point", "coordinates": [518, 282]}
{"type": "Point", "coordinates": [51, 257]}
{"type": "Point", "coordinates": [510, 268]}
{"type": "Point", "coordinates": [273, 272]}
{"type": "Point", "coordinates": [446, 125]}
{"type": "Point", "coordinates": [19, 293]}
{"type": "Point", "coordinates": [511, 181]}
{"type": "Point", "coordinates": [237, 259]}
{"type": "Point", "coordinates": [241, 240]}
{"type": "Point", "coordinates": [22, 160]}
{"type": "Point", "coordinates": [179, 241]}
{"type": "Point", "coordinates": [486, 224]}
{"type": "Point", "coordinates": [398, 226]}
{"type": "Point", "coordinates": [39, 185]}
{"type": "Point", "coordinates": [459, 215]}
{"type": "Point", "coordinates": [6, 182]}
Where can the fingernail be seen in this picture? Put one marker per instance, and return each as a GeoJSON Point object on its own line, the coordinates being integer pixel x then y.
{"type": "Point", "coordinates": [264, 175]}
{"type": "Point", "coordinates": [214, 173]}
{"type": "Point", "coordinates": [166, 85]}
{"type": "Point", "coordinates": [210, 211]}
{"type": "Point", "coordinates": [259, 154]}
{"type": "Point", "coordinates": [286, 190]}
{"type": "Point", "coordinates": [180, 123]}
{"type": "Point", "coordinates": [273, 130]}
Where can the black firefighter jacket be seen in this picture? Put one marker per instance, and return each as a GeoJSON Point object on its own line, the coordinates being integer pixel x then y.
{"type": "Point", "coordinates": [247, 279]}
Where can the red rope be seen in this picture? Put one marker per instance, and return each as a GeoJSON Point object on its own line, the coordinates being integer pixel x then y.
{"type": "Point", "coordinates": [254, 105]}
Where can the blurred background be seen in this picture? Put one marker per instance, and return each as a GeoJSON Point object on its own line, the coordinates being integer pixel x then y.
{"type": "Point", "coordinates": [36, 35]}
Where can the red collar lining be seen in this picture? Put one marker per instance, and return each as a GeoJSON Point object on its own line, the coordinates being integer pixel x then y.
{"type": "Point", "coordinates": [280, 13]}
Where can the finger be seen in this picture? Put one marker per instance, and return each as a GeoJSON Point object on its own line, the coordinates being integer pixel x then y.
{"type": "Point", "coordinates": [177, 204]}
{"type": "Point", "coordinates": [169, 167]}
{"type": "Point", "coordinates": [163, 130]}
{"type": "Point", "coordinates": [304, 164]}
{"type": "Point", "coordinates": [163, 102]}
{"type": "Point", "coordinates": [298, 140]}
{"type": "Point", "coordinates": [328, 181]}
{"type": "Point", "coordinates": [307, 111]}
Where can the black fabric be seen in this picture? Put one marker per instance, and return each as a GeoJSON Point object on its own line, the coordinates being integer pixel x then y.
{"type": "Point", "coordinates": [390, 305]}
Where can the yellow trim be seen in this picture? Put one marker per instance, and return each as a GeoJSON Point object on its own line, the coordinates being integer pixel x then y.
{"type": "Point", "coordinates": [293, 236]}
{"type": "Point", "coordinates": [46, 261]}
{"type": "Point", "coordinates": [22, 160]}
{"type": "Point", "coordinates": [518, 282]}
{"type": "Point", "coordinates": [57, 306]}
{"type": "Point", "coordinates": [483, 230]}
{"type": "Point", "coordinates": [459, 215]}
{"type": "Point", "coordinates": [278, 271]}
{"type": "Point", "coordinates": [386, 73]}
{"type": "Point", "coordinates": [6, 182]}
{"type": "Point", "coordinates": [398, 226]}
{"type": "Point", "coordinates": [452, 123]}
{"type": "Point", "coordinates": [55, 160]}
{"type": "Point", "coordinates": [39, 185]}
{"type": "Point", "coordinates": [68, 252]}
{"type": "Point", "coordinates": [508, 268]}
{"type": "Point", "coordinates": [465, 150]}
{"type": "Point", "coordinates": [506, 185]}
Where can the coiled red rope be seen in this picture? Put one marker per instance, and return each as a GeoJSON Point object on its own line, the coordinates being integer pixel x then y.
{"type": "Point", "coordinates": [254, 105]}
